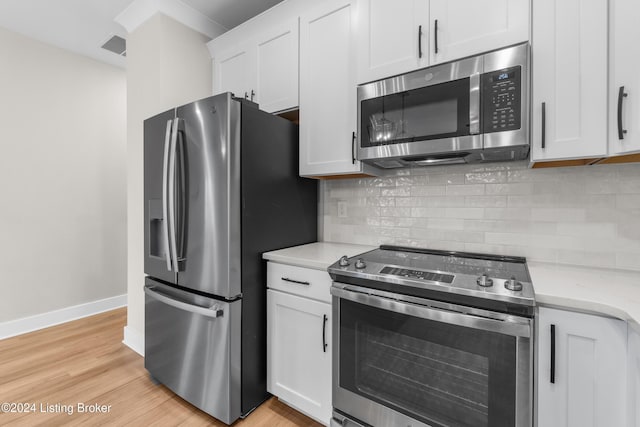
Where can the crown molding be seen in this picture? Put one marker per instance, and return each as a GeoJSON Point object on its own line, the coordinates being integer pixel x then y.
{"type": "Point", "coordinates": [138, 12]}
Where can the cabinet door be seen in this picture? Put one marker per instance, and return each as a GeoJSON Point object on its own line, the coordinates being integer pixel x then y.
{"type": "Point", "coordinates": [299, 353]}
{"type": "Point", "coordinates": [633, 369]}
{"type": "Point", "coordinates": [277, 68]}
{"type": "Point", "coordinates": [234, 70]}
{"type": "Point", "coordinates": [589, 387]}
{"type": "Point", "coordinates": [569, 56]}
{"type": "Point", "coordinates": [393, 38]}
{"type": "Point", "coordinates": [327, 90]}
{"type": "Point", "coordinates": [469, 27]}
{"type": "Point", "coordinates": [625, 73]}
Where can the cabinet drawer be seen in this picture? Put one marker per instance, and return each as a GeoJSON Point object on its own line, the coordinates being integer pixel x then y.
{"type": "Point", "coordinates": [305, 282]}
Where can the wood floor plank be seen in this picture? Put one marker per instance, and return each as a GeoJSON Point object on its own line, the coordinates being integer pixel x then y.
{"type": "Point", "coordinates": [84, 361]}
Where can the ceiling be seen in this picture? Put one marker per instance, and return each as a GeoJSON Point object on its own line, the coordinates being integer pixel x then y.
{"type": "Point", "coordinates": [82, 26]}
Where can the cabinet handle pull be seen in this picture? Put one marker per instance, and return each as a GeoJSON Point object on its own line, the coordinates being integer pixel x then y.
{"type": "Point", "coordinates": [621, 96]}
{"type": "Point", "coordinates": [353, 148]}
{"type": "Point", "coordinates": [253, 93]}
{"type": "Point", "coordinates": [324, 331]}
{"type": "Point", "coordinates": [435, 35]}
{"type": "Point", "coordinates": [544, 124]}
{"type": "Point", "coordinates": [553, 354]}
{"type": "Point", "coordinates": [419, 41]}
{"type": "Point", "coordinates": [297, 282]}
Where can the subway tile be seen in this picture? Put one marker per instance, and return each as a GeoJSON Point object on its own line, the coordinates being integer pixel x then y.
{"type": "Point", "coordinates": [485, 201]}
{"type": "Point", "coordinates": [396, 191]}
{"type": "Point", "coordinates": [446, 223]}
{"type": "Point", "coordinates": [465, 190]}
{"type": "Point", "coordinates": [628, 260]}
{"type": "Point", "coordinates": [435, 190]}
{"type": "Point", "coordinates": [580, 229]}
{"type": "Point", "coordinates": [628, 201]}
{"type": "Point", "coordinates": [468, 213]}
{"type": "Point", "coordinates": [396, 222]}
{"type": "Point", "coordinates": [511, 188]}
{"type": "Point", "coordinates": [486, 177]}
{"type": "Point", "coordinates": [427, 212]}
{"type": "Point", "coordinates": [445, 201]}
{"type": "Point", "coordinates": [522, 214]}
{"type": "Point", "coordinates": [588, 215]}
{"type": "Point", "coordinates": [511, 226]}
{"type": "Point", "coordinates": [448, 235]}
{"type": "Point", "coordinates": [630, 186]}
{"type": "Point", "coordinates": [446, 179]}
{"type": "Point", "coordinates": [537, 200]}
{"type": "Point", "coordinates": [558, 214]}
{"type": "Point", "coordinates": [381, 201]}
{"type": "Point", "coordinates": [395, 211]}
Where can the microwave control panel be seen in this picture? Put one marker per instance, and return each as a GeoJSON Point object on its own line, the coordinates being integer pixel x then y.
{"type": "Point", "coordinates": [501, 103]}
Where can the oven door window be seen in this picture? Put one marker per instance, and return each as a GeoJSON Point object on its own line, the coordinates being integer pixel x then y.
{"type": "Point", "coordinates": [431, 112]}
{"type": "Point", "coordinates": [437, 373]}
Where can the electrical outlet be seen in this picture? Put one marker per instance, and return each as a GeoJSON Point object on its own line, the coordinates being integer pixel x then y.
{"type": "Point", "coordinates": [342, 209]}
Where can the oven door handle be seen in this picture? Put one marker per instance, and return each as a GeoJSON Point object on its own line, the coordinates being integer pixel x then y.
{"type": "Point", "coordinates": [514, 326]}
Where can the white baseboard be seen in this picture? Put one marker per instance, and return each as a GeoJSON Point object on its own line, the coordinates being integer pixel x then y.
{"type": "Point", "coordinates": [134, 340]}
{"type": "Point", "coordinates": [56, 317]}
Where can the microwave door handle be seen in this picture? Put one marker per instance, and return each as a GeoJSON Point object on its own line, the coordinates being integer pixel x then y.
{"type": "Point", "coordinates": [165, 207]}
{"type": "Point", "coordinates": [474, 104]}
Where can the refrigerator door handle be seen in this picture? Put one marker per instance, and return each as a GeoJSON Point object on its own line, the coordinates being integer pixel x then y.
{"type": "Point", "coordinates": [172, 195]}
{"type": "Point", "coordinates": [211, 311]}
{"type": "Point", "coordinates": [165, 208]}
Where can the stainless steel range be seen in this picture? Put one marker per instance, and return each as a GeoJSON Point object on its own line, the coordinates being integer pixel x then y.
{"type": "Point", "coordinates": [432, 338]}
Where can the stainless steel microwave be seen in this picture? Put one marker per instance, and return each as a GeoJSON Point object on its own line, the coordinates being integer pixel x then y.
{"type": "Point", "coordinates": [467, 111]}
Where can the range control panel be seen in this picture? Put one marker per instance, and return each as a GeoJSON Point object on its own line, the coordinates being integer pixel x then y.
{"type": "Point", "coordinates": [418, 274]}
{"type": "Point", "coordinates": [501, 103]}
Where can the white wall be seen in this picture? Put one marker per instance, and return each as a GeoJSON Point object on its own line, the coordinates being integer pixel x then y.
{"type": "Point", "coordinates": [62, 178]}
{"type": "Point", "coordinates": [167, 65]}
{"type": "Point", "coordinates": [586, 215]}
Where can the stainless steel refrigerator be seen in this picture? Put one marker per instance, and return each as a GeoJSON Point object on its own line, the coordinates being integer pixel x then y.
{"type": "Point", "coordinates": [221, 187]}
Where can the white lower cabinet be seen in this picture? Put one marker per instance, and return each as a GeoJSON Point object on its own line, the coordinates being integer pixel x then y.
{"type": "Point", "coordinates": [633, 377]}
{"type": "Point", "coordinates": [582, 370]}
{"type": "Point", "coordinates": [299, 353]}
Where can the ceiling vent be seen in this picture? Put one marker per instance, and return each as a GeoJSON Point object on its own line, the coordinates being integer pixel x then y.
{"type": "Point", "coordinates": [117, 45]}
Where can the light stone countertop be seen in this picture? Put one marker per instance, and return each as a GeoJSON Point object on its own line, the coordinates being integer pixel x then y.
{"type": "Point", "coordinates": [319, 255]}
{"type": "Point", "coordinates": [614, 293]}
{"type": "Point", "coordinates": [609, 292]}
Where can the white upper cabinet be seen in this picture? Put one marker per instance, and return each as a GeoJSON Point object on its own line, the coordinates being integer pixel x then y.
{"type": "Point", "coordinates": [462, 28]}
{"type": "Point", "coordinates": [234, 70]}
{"type": "Point", "coordinates": [624, 92]}
{"type": "Point", "coordinates": [277, 67]}
{"type": "Point", "coordinates": [569, 56]}
{"type": "Point", "coordinates": [582, 375]}
{"type": "Point", "coordinates": [328, 90]}
{"type": "Point", "coordinates": [393, 38]}
{"type": "Point", "coordinates": [262, 68]}
{"type": "Point", "coordinates": [405, 35]}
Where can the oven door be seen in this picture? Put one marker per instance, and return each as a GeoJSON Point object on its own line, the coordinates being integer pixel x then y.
{"type": "Point", "coordinates": [429, 116]}
{"type": "Point", "coordinates": [427, 363]}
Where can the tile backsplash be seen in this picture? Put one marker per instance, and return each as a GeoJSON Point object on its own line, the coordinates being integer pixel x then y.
{"type": "Point", "coordinates": [586, 215]}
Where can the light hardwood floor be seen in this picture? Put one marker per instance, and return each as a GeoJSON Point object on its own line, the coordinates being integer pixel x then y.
{"type": "Point", "coordinates": [85, 362]}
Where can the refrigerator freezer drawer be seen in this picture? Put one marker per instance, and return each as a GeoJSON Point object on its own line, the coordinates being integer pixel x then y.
{"type": "Point", "coordinates": [192, 346]}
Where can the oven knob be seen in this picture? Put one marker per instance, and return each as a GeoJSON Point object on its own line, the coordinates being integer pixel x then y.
{"type": "Point", "coordinates": [344, 261]}
{"type": "Point", "coordinates": [360, 264]}
{"type": "Point", "coordinates": [513, 285]}
{"type": "Point", "coordinates": [484, 281]}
